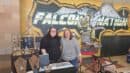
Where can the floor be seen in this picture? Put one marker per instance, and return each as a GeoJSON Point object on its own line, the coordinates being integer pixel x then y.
{"type": "Point", "coordinates": [122, 60]}
{"type": "Point", "coordinates": [5, 64]}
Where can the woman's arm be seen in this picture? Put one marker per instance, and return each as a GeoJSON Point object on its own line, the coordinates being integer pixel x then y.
{"type": "Point", "coordinates": [42, 46]}
{"type": "Point", "coordinates": [77, 47]}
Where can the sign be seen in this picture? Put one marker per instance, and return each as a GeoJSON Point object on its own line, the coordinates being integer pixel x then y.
{"type": "Point", "coordinates": [46, 16]}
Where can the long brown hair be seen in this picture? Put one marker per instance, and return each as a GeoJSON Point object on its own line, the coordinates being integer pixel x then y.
{"type": "Point", "coordinates": [71, 36]}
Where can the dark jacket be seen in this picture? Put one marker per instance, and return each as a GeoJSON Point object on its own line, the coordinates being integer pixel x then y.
{"type": "Point", "coordinates": [52, 46]}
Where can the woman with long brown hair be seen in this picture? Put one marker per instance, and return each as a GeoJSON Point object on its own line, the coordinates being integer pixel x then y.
{"type": "Point", "coordinates": [70, 49]}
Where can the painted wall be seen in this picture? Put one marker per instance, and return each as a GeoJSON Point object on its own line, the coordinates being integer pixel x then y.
{"type": "Point", "coordinates": [26, 5]}
{"type": "Point", "coordinates": [13, 10]}
{"type": "Point", "coordinates": [49, 10]}
{"type": "Point", "coordinates": [9, 23]}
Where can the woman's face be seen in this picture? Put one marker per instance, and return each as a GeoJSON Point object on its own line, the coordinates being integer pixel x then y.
{"type": "Point", "coordinates": [67, 34]}
{"type": "Point", "coordinates": [53, 32]}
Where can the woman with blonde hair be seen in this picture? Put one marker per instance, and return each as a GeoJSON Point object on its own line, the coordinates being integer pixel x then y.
{"type": "Point", "coordinates": [70, 49]}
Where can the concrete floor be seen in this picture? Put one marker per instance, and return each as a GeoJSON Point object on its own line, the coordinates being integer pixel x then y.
{"type": "Point", "coordinates": [5, 64]}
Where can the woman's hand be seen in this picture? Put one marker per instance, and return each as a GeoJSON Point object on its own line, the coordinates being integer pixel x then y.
{"type": "Point", "coordinates": [80, 59]}
{"type": "Point", "coordinates": [43, 51]}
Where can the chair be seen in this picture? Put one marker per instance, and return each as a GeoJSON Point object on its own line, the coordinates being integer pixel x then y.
{"type": "Point", "coordinates": [20, 65]}
{"type": "Point", "coordinates": [34, 62]}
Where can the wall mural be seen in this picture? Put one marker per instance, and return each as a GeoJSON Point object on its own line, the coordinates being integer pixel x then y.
{"type": "Point", "coordinates": [47, 15]}
{"type": "Point", "coordinates": [85, 19]}
{"type": "Point", "coordinates": [53, 15]}
{"type": "Point", "coordinates": [108, 18]}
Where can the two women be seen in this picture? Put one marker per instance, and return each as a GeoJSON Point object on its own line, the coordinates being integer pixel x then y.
{"type": "Point", "coordinates": [66, 49]}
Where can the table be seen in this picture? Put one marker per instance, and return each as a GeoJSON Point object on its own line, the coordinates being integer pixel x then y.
{"type": "Point", "coordinates": [63, 67]}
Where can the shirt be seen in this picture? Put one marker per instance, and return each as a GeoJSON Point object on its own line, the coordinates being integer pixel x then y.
{"type": "Point", "coordinates": [52, 47]}
{"type": "Point", "coordinates": [70, 49]}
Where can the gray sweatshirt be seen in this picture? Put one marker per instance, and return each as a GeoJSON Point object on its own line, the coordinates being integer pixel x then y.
{"type": "Point", "coordinates": [70, 49]}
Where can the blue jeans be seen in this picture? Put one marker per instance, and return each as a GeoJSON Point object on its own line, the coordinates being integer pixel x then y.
{"type": "Point", "coordinates": [75, 63]}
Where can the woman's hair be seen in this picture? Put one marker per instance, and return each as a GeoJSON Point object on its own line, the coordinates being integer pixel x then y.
{"type": "Point", "coordinates": [71, 36]}
{"type": "Point", "coordinates": [48, 34]}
